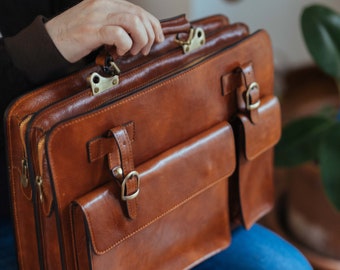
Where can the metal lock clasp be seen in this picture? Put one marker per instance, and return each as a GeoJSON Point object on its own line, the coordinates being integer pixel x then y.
{"type": "Point", "coordinates": [195, 40]}
{"type": "Point", "coordinates": [100, 83]}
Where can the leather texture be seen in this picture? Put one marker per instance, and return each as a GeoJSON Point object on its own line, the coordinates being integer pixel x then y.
{"type": "Point", "coordinates": [167, 196]}
{"type": "Point", "coordinates": [164, 163]}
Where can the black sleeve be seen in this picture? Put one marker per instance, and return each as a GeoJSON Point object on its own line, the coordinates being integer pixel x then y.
{"type": "Point", "coordinates": [13, 81]}
{"type": "Point", "coordinates": [29, 59]}
{"type": "Point", "coordinates": [33, 53]}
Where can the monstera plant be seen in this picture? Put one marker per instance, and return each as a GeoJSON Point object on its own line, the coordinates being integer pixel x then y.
{"type": "Point", "coordinates": [317, 137]}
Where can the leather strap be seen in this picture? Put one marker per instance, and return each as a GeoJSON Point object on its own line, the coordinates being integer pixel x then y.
{"type": "Point", "coordinates": [99, 147]}
{"type": "Point", "coordinates": [248, 94]}
{"type": "Point", "coordinates": [123, 159]}
{"type": "Point", "coordinates": [248, 91]}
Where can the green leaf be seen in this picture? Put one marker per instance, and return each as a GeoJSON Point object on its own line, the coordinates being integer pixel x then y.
{"type": "Point", "coordinates": [321, 31]}
{"type": "Point", "coordinates": [300, 140]}
{"type": "Point", "coordinates": [330, 164]}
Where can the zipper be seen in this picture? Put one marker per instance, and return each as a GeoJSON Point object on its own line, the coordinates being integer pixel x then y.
{"type": "Point", "coordinates": [42, 179]}
{"type": "Point", "coordinates": [38, 172]}
{"type": "Point", "coordinates": [24, 177]}
{"type": "Point", "coordinates": [40, 167]}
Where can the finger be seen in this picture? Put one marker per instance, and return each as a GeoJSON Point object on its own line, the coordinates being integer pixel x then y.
{"type": "Point", "coordinates": [151, 37]}
{"type": "Point", "coordinates": [137, 10]}
{"type": "Point", "coordinates": [157, 28]}
{"type": "Point", "coordinates": [134, 27]}
{"type": "Point", "coordinates": [117, 36]}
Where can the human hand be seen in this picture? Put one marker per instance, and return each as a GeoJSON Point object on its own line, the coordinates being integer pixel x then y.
{"type": "Point", "coordinates": [93, 23]}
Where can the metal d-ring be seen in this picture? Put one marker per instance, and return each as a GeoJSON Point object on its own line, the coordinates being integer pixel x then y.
{"type": "Point", "coordinates": [127, 178]}
{"type": "Point", "coordinates": [250, 106]}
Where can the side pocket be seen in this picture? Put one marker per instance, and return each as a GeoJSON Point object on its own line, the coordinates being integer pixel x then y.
{"type": "Point", "coordinates": [251, 188]}
{"type": "Point", "coordinates": [182, 210]}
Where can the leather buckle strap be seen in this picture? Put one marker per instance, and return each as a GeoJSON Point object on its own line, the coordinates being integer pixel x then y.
{"type": "Point", "coordinates": [124, 172]}
{"type": "Point", "coordinates": [242, 79]}
{"type": "Point", "coordinates": [249, 93]}
{"type": "Point", "coordinates": [254, 86]}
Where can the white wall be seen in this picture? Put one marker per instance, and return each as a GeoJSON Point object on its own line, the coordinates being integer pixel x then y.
{"type": "Point", "coordinates": [281, 18]}
{"type": "Point", "coordinates": [165, 8]}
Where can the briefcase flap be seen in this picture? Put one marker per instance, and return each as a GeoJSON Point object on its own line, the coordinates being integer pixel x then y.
{"type": "Point", "coordinates": [167, 183]}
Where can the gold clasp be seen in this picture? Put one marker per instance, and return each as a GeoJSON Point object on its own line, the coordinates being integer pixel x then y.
{"type": "Point", "coordinates": [196, 40]}
{"type": "Point", "coordinates": [253, 86]}
{"type": "Point", "coordinates": [100, 83]}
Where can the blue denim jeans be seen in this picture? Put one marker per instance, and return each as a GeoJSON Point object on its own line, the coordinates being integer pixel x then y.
{"type": "Point", "coordinates": [257, 249]}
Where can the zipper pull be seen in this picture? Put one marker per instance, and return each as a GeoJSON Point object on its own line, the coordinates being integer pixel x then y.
{"type": "Point", "coordinates": [39, 182]}
{"type": "Point", "coordinates": [42, 179]}
{"type": "Point", "coordinates": [39, 177]}
{"type": "Point", "coordinates": [24, 172]}
{"type": "Point", "coordinates": [24, 162]}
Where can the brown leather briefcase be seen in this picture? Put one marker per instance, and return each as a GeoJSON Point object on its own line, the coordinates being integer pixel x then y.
{"type": "Point", "coordinates": [146, 162]}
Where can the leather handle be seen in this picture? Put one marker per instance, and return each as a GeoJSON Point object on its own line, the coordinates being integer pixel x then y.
{"type": "Point", "coordinates": [175, 25]}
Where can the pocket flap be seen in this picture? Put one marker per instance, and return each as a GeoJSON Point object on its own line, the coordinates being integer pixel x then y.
{"type": "Point", "coordinates": [167, 182]}
{"type": "Point", "coordinates": [266, 132]}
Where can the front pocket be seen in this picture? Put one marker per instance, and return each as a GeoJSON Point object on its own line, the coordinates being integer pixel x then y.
{"type": "Point", "coordinates": [182, 210]}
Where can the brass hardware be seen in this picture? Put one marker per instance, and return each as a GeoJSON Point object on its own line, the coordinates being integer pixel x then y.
{"type": "Point", "coordinates": [117, 173]}
{"type": "Point", "coordinates": [39, 182]}
{"type": "Point", "coordinates": [24, 163]}
{"type": "Point", "coordinates": [112, 68]}
{"type": "Point", "coordinates": [100, 83]}
{"type": "Point", "coordinates": [250, 106]}
{"type": "Point", "coordinates": [24, 173]}
{"type": "Point", "coordinates": [39, 178]}
{"type": "Point", "coordinates": [128, 177]}
{"type": "Point", "coordinates": [196, 40]}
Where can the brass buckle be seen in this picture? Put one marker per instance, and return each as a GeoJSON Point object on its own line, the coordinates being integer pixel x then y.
{"type": "Point", "coordinates": [128, 177]}
{"type": "Point", "coordinates": [249, 105]}
{"type": "Point", "coordinates": [195, 40]}
{"type": "Point", "coordinates": [100, 83]}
